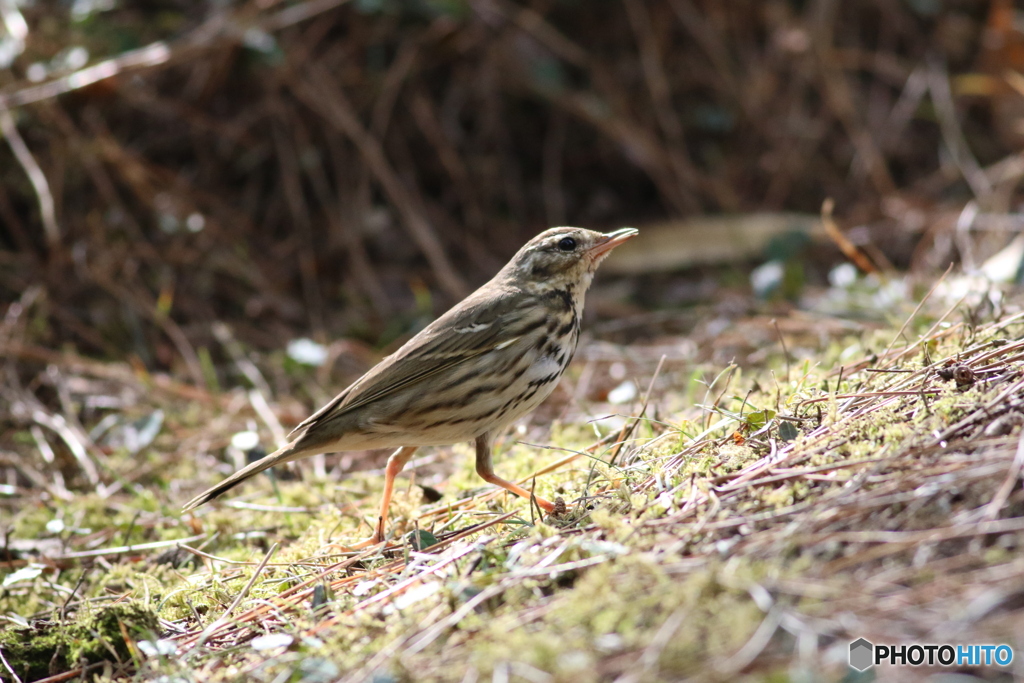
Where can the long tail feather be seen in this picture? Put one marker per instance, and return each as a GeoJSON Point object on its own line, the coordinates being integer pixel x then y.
{"type": "Point", "coordinates": [282, 455]}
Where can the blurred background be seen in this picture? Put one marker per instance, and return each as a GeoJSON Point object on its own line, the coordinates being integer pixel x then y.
{"type": "Point", "coordinates": [215, 214]}
{"type": "Point", "coordinates": [338, 170]}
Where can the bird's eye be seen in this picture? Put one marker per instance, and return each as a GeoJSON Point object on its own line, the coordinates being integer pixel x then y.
{"type": "Point", "coordinates": [567, 244]}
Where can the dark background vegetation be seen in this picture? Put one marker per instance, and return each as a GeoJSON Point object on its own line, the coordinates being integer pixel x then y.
{"type": "Point", "coordinates": [188, 186]}
{"type": "Point", "coordinates": [351, 168]}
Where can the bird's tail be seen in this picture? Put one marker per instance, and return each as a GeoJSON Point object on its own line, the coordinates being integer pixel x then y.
{"type": "Point", "coordinates": [282, 455]}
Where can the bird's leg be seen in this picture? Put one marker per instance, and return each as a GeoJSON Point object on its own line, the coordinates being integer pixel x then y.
{"type": "Point", "coordinates": [395, 464]}
{"type": "Point", "coordinates": [485, 468]}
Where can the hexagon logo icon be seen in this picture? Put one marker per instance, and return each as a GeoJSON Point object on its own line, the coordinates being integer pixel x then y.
{"type": "Point", "coordinates": [861, 652]}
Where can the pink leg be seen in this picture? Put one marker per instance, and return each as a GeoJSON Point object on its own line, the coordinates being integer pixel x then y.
{"type": "Point", "coordinates": [485, 468]}
{"type": "Point", "coordinates": [395, 464]}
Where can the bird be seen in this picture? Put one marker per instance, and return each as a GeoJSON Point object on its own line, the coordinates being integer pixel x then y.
{"type": "Point", "coordinates": [488, 361]}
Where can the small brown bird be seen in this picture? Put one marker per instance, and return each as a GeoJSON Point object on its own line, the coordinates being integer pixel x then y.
{"type": "Point", "coordinates": [488, 361]}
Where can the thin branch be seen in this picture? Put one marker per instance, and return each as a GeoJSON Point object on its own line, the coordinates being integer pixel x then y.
{"type": "Point", "coordinates": [47, 210]}
{"type": "Point", "coordinates": [323, 95]}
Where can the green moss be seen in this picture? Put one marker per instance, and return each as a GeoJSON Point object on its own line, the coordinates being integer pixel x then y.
{"type": "Point", "coordinates": [47, 648]}
{"type": "Point", "coordinates": [590, 622]}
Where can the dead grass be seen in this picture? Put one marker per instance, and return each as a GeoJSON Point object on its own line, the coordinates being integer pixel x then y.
{"type": "Point", "coordinates": [802, 505]}
{"type": "Point", "coordinates": [208, 188]}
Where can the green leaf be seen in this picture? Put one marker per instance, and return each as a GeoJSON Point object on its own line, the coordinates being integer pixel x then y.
{"type": "Point", "coordinates": [420, 539]}
{"type": "Point", "coordinates": [788, 431]}
{"type": "Point", "coordinates": [760, 418]}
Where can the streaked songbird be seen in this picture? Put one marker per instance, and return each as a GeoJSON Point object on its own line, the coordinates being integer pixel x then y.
{"type": "Point", "coordinates": [482, 365]}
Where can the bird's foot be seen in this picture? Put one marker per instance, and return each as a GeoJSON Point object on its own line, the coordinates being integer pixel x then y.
{"type": "Point", "coordinates": [378, 539]}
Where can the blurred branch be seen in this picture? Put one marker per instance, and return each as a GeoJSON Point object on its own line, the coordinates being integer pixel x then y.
{"type": "Point", "coordinates": [952, 134]}
{"type": "Point", "coordinates": [15, 27]}
{"type": "Point", "coordinates": [666, 166]}
{"type": "Point", "coordinates": [427, 120]}
{"type": "Point", "coordinates": [903, 112]}
{"type": "Point", "coordinates": [660, 91]}
{"type": "Point", "coordinates": [533, 23]}
{"type": "Point", "coordinates": [840, 97]}
{"type": "Point", "coordinates": [35, 174]}
{"type": "Point", "coordinates": [849, 249]}
{"type": "Point", "coordinates": [321, 93]}
{"type": "Point", "coordinates": [295, 14]}
{"type": "Point", "coordinates": [704, 34]}
{"type": "Point", "coordinates": [295, 198]}
{"type": "Point", "coordinates": [219, 26]}
{"type": "Point", "coordinates": [144, 57]}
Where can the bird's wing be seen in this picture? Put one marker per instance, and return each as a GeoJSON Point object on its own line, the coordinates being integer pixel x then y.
{"type": "Point", "coordinates": [463, 333]}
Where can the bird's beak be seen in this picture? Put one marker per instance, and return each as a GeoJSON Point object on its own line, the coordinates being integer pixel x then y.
{"type": "Point", "coordinates": [610, 241]}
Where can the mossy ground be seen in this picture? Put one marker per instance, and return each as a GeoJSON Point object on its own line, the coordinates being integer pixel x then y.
{"type": "Point", "coordinates": [106, 634]}
{"type": "Point", "coordinates": [753, 536]}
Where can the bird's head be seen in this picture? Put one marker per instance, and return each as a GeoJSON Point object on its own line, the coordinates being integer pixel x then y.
{"type": "Point", "coordinates": [563, 258]}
